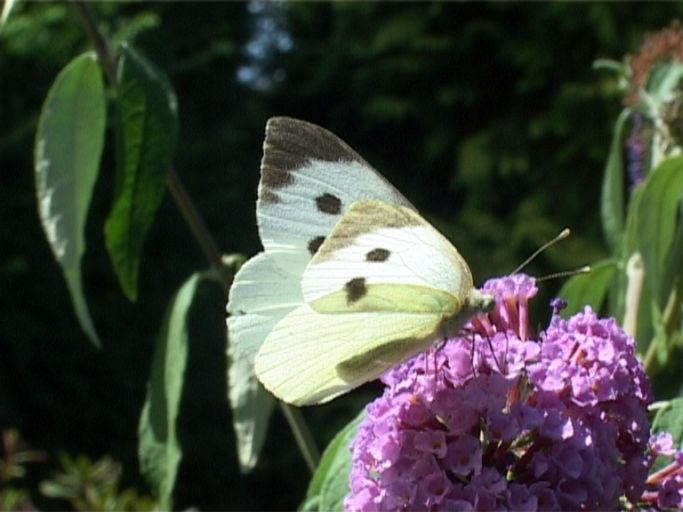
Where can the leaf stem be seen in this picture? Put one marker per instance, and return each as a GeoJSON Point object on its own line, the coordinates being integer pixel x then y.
{"type": "Point", "coordinates": [197, 226]}
{"type": "Point", "coordinates": [303, 437]}
{"type": "Point", "coordinates": [98, 40]}
{"type": "Point", "coordinates": [182, 199]}
{"type": "Point", "coordinates": [195, 222]}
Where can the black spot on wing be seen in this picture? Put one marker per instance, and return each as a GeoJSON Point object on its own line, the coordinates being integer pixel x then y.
{"type": "Point", "coordinates": [315, 244]}
{"type": "Point", "coordinates": [355, 289]}
{"type": "Point", "coordinates": [378, 255]}
{"type": "Point", "coordinates": [328, 203]}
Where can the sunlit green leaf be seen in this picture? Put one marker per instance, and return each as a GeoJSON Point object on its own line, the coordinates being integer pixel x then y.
{"type": "Point", "coordinates": [660, 335]}
{"type": "Point", "coordinates": [631, 242]}
{"type": "Point", "coordinates": [662, 85]}
{"type": "Point", "coordinates": [656, 221]}
{"type": "Point", "coordinates": [147, 131]}
{"type": "Point", "coordinates": [673, 266]}
{"type": "Point", "coordinates": [311, 504]}
{"type": "Point", "coordinates": [331, 479]}
{"type": "Point", "coordinates": [670, 419]}
{"type": "Point", "coordinates": [159, 450]}
{"type": "Point", "coordinates": [68, 148]}
{"type": "Point", "coordinates": [588, 289]}
{"type": "Point", "coordinates": [7, 6]}
{"type": "Point", "coordinates": [623, 285]}
{"type": "Point", "coordinates": [251, 406]}
{"type": "Point", "coordinates": [612, 201]}
{"type": "Point", "coordinates": [621, 70]}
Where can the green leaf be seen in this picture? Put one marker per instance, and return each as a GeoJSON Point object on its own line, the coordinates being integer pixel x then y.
{"type": "Point", "coordinates": [637, 306]}
{"type": "Point", "coordinates": [311, 504]}
{"type": "Point", "coordinates": [621, 69]}
{"type": "Point", "coordinates": [656, 222]}
{"type": "Point", "coordinates": [588, 289]}
{"type": "Point", "coordinates": [631, 241]}
{"type": "Point", "coordinates": [67, 153]}
{"type": "Point", "coordinates": [630, 248]}
{"type": "Point", "coordinates": [660, 337]}
{"type": "Point", "coordinates": [612, 200]}
{"type": "Point", "coordinates": [673, 267]}
{"type": "Point", "coordinates": [330, 481]}
{"type": "Point", "coordinates": [251, 407]}
{"type": "Point", "coordinates": [148, 132]}
{"type": "Point", "coordinates": [663, 85]}
{"type": "Point", "coordinates": [251, 404]}
{"type": "Point", "coordinates": [159, 450]}
{"type": "Point", "coordinates": [6, 10]}
{"type": "Point", "coordinates": [670, 419]}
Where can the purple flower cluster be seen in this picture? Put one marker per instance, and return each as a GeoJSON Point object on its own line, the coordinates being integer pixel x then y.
{"type": "Point", "coordinates": [503, 419]}
{"type": "Point", "coordinates": [664, 488]}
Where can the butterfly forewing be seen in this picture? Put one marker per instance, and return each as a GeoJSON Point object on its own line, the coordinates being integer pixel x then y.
{"type": "Point", "coordinates": [309, 178]}
{"type": "Point", "coordinates": [379, 252]}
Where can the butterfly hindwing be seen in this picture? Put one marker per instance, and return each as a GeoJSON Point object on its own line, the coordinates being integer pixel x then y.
{"type": "Point", "coordinates": [311, 358]}
{"type": "Point", "coordinates": [261, 295]}
{"type": "Point", "coordinates": [309, 178]}
{"type": "Point", "coordinates": [383, 256]}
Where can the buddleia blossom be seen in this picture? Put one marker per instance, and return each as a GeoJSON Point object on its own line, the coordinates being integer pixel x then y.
{"type": "Point", "coordinates": [503, 418]}
{"type": "Point", "coordinates": [664, 487]}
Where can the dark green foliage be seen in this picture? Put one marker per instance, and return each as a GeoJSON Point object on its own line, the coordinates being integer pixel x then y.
{"type": "Point", "coordinates": [160, 450]}
{"type": "Point", "coordinates": [147, 117]}
{"type": "Point", "coordinates": [329, 484]}
{"type": "Point", "coordinates": [670, 419]}
{"type": "Point", "coordinates": [488, 116]}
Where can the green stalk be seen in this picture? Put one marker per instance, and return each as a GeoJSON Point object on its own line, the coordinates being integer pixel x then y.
{"type": "Point", "coordinates": [197, 226]}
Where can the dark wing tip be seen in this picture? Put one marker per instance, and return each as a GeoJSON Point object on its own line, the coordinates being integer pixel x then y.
{"type": "Point", "coordinates": [290, 143]}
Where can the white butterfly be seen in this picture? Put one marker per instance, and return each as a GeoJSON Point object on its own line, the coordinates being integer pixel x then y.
{"type": "Point", "coordinates": [352, 280]}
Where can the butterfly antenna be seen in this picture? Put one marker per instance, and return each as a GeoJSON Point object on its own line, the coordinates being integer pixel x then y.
{"type": "Point", "coordinates": [436, 375]}
{"type": "Point", "coordinates": [472, 354]}
{"type": "Point", "coordinates": [493, 354]}
{"type": "Point", "coordinates": [566, 273]}
{"type": "Point", "coordinates": [563, 234]}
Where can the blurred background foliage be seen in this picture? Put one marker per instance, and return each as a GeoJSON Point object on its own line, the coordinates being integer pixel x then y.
{"type": "Point", "coordinates": [489, 117]}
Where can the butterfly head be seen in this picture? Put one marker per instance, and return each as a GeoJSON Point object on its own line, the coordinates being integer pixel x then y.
{"type": "Point", "coordinates": [479, 302]}
{"type": "Point", "coordinates": [475, 302]}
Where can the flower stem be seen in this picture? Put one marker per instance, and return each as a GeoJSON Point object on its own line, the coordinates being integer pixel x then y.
{"type": "Point", "coordinates": [635, 274]}
{"type": "Point", "coordinates": [303, 437]}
